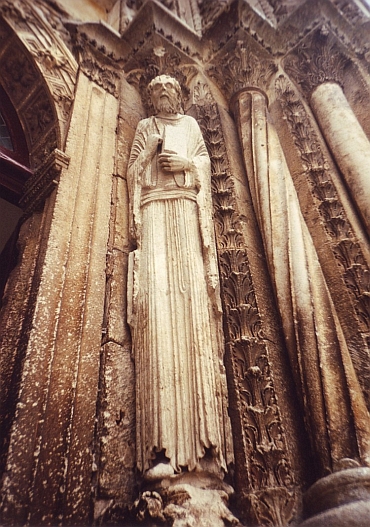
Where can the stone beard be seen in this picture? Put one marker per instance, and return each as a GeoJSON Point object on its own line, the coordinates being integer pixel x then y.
{"type": "Point", "coordinates": [174, 307]}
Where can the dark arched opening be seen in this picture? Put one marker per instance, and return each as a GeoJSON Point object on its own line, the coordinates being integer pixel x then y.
{"type": "Point", "coordinates": [14, 172]}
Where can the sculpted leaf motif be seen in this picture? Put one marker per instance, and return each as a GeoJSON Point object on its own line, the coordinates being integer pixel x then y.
{"type": "Point", "coordinates": [316, 61]}
{"type": "Point", "coordinates": [263, 434]}
{"type": "Point", "coordinates": [274, 508]}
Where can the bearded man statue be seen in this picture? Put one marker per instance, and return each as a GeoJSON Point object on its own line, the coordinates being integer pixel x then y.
{"type": "Point", "coordinates": [174, 305]}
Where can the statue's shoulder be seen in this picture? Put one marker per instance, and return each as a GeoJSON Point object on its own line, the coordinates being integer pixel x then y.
{"type": "Point", "coordinates": [189, 119]}
{"type": "Point", "coordinates": [144, 123]}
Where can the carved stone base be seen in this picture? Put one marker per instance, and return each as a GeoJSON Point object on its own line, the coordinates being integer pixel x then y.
{"type": "Point", "coordinates": [189, 499]}
{"type": "Point", "coordinates": [339, 500]}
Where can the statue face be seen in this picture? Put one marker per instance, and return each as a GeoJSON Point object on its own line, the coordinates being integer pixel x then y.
{"type": "Point", "coordinates": [164, 95]}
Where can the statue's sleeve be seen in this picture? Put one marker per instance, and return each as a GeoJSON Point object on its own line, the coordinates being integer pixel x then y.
{"type": "Point", "coordinates": [137, 174]}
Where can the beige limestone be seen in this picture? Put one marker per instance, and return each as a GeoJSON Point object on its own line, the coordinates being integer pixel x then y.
{"type": "Point", "coordinates": [311, 327]}
{"type": "Point", "coordinates": [347, 141]}
{"type": "Point", "coordinates": [174, 308]}
{"type": "Point", "coordinates": [60, 375]}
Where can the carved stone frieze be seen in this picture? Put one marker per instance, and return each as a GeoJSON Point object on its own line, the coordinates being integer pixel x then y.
{"type": "Point", "coordinates": [240, 67]}
{"type": "Point", "coordinates": [345, 246]}
{"type": "Point", "coordinates": [31, 99]}
{"type": "Point", "coordinates": [105, 77]}
{"type": "Point", "coordinates": [99, 64]}
{"type": "Point", "coordinates": [18, 74]}
{"type": "Point", "coordinates": [316, 61]}
{"type": "Point", "coordinates": [42, 183]}
{"type": "Point", "coordinates": [268, 483]}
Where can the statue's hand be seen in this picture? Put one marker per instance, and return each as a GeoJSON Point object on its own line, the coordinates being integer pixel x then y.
{"type": "Point", "coordinates": [152, 144]}
{"type": "Point", "coordinates": [173, 162]}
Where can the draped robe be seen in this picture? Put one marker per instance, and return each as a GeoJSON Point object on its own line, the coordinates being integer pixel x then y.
{"type": "Point", "coordinates": [174, 306]}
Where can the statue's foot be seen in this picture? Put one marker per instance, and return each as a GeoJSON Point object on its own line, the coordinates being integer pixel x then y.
{"type": "Point", "coordinates": [158, 472]}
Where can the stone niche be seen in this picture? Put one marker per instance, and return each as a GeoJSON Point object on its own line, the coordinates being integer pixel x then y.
{"type": "Point", "coordinates": [243, 254]}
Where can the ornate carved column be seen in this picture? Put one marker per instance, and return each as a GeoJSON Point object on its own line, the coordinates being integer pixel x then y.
{"type": "Point", "coordinates": [321, 73]}
{"type": "Point", "coordinates": [265, 478]}
{"type": "Point", "coordinates": [336, 419]}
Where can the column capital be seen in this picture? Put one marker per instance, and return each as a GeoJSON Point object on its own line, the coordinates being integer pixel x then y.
{"type": "Point", "coordinates": [317, 61]}
{"type": "Point", "coordinates": [241, 68]}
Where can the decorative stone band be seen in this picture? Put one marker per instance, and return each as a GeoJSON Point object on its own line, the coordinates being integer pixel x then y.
{"type": "Point", "coordinates": [160, 194]}
{"type": "Point", "coordinates": [43, 182]}
{"type": "Point", "coordinates": [347, 142]}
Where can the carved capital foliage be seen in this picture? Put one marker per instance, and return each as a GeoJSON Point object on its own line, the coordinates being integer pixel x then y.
{"type": "Point", "coordinates": [42, 183]}
{"type": "Point", "coordinates": [273, 508]}
{"type": "Point", "coordinates": [345, 247]}
{"type": "Point", "coordinates": [160, 61]}
{"type": "Point", "coordinates": [96, 61]}
{"type": "Point", "coordinates": [316, 61]}
{"type": "Point", "coordinates": [241, 68]}
{"type": "Point", "coordinates": [106, 77]}
{"type": "Point", "coordinates": [269, 477]}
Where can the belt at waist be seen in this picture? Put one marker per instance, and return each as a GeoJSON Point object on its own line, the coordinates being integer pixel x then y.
{"type": "Point", "coordinates": [160, 194]}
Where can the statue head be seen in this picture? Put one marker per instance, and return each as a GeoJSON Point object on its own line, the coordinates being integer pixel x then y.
{"type": "Point", "coordinates": [165, 94]}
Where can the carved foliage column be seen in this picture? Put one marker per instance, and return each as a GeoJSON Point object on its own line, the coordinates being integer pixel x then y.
{"type": "Point", "coordinates": [320, 72]}
{"type": "Point", "coordinates": [347, 141]}
{"type": "Point", "coordinates": [264, 477]}
{"type": "Point", "coordinates": [318, 351]}
{"type": "Point", "coordinates": [350, 282]}
{"type": "Point", "coordinates": [50, 460]}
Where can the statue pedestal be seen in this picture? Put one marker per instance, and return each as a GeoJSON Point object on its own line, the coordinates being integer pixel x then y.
{"type": "Point", "coordinates": [341, 499]}
{"type": "Point", "coordinates": [191, 498]}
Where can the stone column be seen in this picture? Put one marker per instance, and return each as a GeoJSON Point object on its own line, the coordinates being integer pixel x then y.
{"type": "Point", "coordinates": [50, 462]}
{"type": "Point", "coordinates": [347, 141]}
{"type": "Point", "coordinates": [335, 413]}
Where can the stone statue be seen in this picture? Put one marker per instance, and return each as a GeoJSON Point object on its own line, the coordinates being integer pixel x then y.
{"type": "Point", "coordinates": [174, 305]}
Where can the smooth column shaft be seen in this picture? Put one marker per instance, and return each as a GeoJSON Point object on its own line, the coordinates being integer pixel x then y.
{"type": "Point", "coordinates": [347, 142]}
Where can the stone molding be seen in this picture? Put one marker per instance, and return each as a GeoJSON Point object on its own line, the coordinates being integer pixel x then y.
{"type": "Point", "coordinates": [43, 182]}
{"type": "Point", "coordinates": [36, 30]}
{"type": "Point", "coordinates": [99, 53]}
